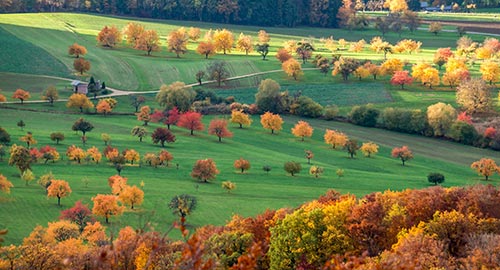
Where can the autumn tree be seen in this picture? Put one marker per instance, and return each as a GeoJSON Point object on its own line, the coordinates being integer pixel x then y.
{"type": "Point", "coordinates": [304, 50]}
{"type": "Point", "coordinates": [75, 153]}
{"type": "Point", "coordinates": [262, 49]}
{"type": "Point", "coordinates": [20, 157]}
{"type": "Point", "coordinates": [440, 117]}
{"type": "Point", "coordinates": [223, 40]}
{"type": "Point", "coordinates": [455, 77]}
{"type": "Point", "coordinates": [144, 115]}
{"type": "Point", "coordinates": [79, 101]}
{"type": "Point", "coordinates": [140, 132]}
{"type": "Point", "coordinates": [389, 66]}
{"type": "Point", "coordinates": [59, 189]}
{"type": "Point", "coordinates": [292, 167]}
{"type": "Point", "coordinates": [302, 129]}
{"type": "Point", "coordinates": [172, 117]}
{"type": "Point", "coordinates": [109, 36]}
{"type": "Point", "coordinates": [28, 176]}
{"type": "Point", "coordinates": [218, 127]}
{"type": "Point", "coordinates": [191, 120]}
{"type": "Point", "coordinates": [182, 205]}
{"type": "Point", "coordinates": [21, 94]}
{"type": "Point", "coordinates": [77, 50]}
{"type": "Point", "coordinates": [94, 154]}
{"type": "Point", "coordinates": [345, 66]}
{"type": "Point", "coordinates": [369, 148]}
{"type": "Point", "coordinates": [103, 107]}
{"type": "Point", "coordinates": [242, 164]}
{"type": "Point", "coordinates": [28, 139]}
{"type": "Point", "coordinates": [148, 41]}
{"type": "Point", "coordinates": [292, 68]}
{"type": "Point", "coordinates": [441, 56]}
{"type": "Point", "coordinates": [435, 27]}
{"type": "Point", "coordinates": [204, 170]}
{"type": "Point", "coordinates": [50, 94]}
{"type": "Point", "coordinates": [82, 125]}
{"type": "Point", "coordinates": [263, 36]}
{"type": "Point", "coordinates": [132, 32]}
{"type": "Point", "coordinates": [335, 138]}
{"type": "Point", "coordinates": [240, 118]}
{"type": "Point", "coordinates": [401, 78]}
{"type": "Point", "coordinates": [229, 186]}
{"type": "Point", "coordinates": [106, 206]}
{"type": "Point", "coordinates": [218, 71]}
{"type": "Point", "coordinates": [79, 214]}
{"type": "Point", "coordinates": [81, 65]}
{"type": "Point", "coordinates": [177, 94]}
{"type": "Point", "coordinates": [283, 55]}
{"type": "Point", "coordinates": [5, 184]}
{"type": "Point", "coordinates": [177, 41]}
{"type": "Point", "coordinates": [162, 135]}
{"type": "Point", "coordinates": [194, 33]}
{"type": "Point", "coordinates": [403, 153]}
{"type": "Point", "coordinates": [132, 156]}
{"type": "Point", "coordinates": [474, 96]}
{"type": "Point", "coordinates": [136, 101]}
{"type": "Point", "coordinates": [351, 146]}
{"type": "Point", "coordinates": [408, 46]}
{"type": "Point", "coordinates": [271, 121]}
{"type": "Point", "coordinates": [244, 43]}
{"type": "Point", "coordinates": [2, 98]}
{"type": "Point", "coordinates": [490, 71]}
{"type": "Point", "coordinates": [165, 157]}
{"type": "Point", "coordinates": [316, 171]}
{"type": "Point", "coordinates": [485, 167]}
{"type": "Point", "coordinates": [131, 195]}
{"type": "Point", "coordinates": [206, 48]}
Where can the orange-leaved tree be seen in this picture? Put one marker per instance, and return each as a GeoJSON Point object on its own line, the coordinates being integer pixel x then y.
{"type": "Point", "coordinates": [283, 55]}
{"type": "Point", "coordinates": [94, 154]}
{"type": "Point", "coordinates": [271, 121]}
{"type": "Point", "coordinates": [109, 36]}
{"type": "Point", "coordinates": [77, 50]}
{"type": "Point", "coordinates": [103, 107]}
{"type": "Point", "coordinates": [263, 36]}
{"type": "Point", "coordinates": [244, 43]}
{"type": "Point", "coordinates": [485, 167]}
{"type": "Point", "coordinates": [223, 40]}
{"type": "Point", "coordinates": [144, 115]}
{"type": "Point", "coordinates": [302, 129]}
{"type": "Point", "coordinates": [204, 170]}
{"type": "Point", "coordinates": [165, 157]}
{"type": "Point", "coordinates": [241, 118]}
{"type": "Point", "coordinates": [292, 68]}
{"type": "Point", "coordinates": [335, 138]}
{"type": "Point", "coordinates": [21, 94]}
{"type": "Point", "coordinates": [132, 32]}
{"type": "Point", "coordinates": [106, 206]}
{"type": "Point", "coordinates": [404, 153]}
{"type": "Point", "coordinates": [218, 127]}
{"type": "Point", "coordinates": [132, 195]}
{"type": "Point", "coordinates": [177, 41]}
{"type": "Point", "coordinates": [194, 33]}
{"type": "Point", "coordinates": [81, 65]}
{"type": "Point", "coordinates": [206, 48]}
{"type": "Point", "coordinates": [132, 156]}
{"type": "Point", "coordinates": [242, 164]}
{"type": "Point", "coordinates": [2, 98]}
{"type": "Point", "coordinates": [5, 184]}
{"type": "Point", "coordinates": [75, 153]}
{"type": "Point", "coordinates": [401, 78]}
{"type": "Point", "coordinates": [59, 189]}
{"type": "Point", "coordinates": [190, 120]}
{"type": "Point", "coordinates": [80, 101]}
{"type": "Point", "coordinates": [148, 41]}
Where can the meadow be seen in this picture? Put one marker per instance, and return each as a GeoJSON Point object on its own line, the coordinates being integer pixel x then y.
{"type": "Point", "coordinates": [35, 45]}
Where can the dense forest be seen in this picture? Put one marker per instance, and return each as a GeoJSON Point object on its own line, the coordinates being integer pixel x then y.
{"type": "Point", "coordinates": [287, 13]}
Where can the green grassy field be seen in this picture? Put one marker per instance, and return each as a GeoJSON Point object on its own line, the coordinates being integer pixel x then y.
{"type": "Point", "coordinates": [27, 206]}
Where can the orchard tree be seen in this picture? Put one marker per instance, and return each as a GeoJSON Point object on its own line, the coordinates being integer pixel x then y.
{"type": "Point", "coordinates": [94, 154]}
{"type": "Point", "coordinates": [335, 138]}
{"type": "Point", "coordinates": [302, 129]}
{"type": "Point", "coordinates": [292, 167]}
{"type": "Point", "coordinates": [441, 56]}
{"type": "Point", "coordinates": [455, 77]}
{"type": "Point", "coordinates": [131, 156]}
{"type": "Point", "coordinates": [79, 101]}
{"type": "Point", "coordinates": [389, 66]}
{"type": "Point", "coordinates": [194, 33]}
{"type": "Point", "coordinates": [75, 153]}
{"type": "Point", "coordinates": [57, 137]}
{"type": "Point", "coordinates": [109, 36]}
{"type": "Point", "coordinates": [263, 36]}
{"type": "Point", "coordinates": [20, 157]}
{"type": "Point", "coordinates": [103, 107]}
{"type": "Point", "coordinates": [240, 118]}
{"type": "Point", "coordinates": [148, 41]}
{"type": "Point", "coordinates": [490, 71]}
{"type": "Point", "coordinates": [106, 206]}
{"type": "Point", "coordinates": [316, 171]}
{"type": "Point", "coordinates": [191, 120]}
{"type": "Point", "coordinates": [81, 65]}
{"type": "Point", "coordinates": [309, 155]}
{"type": "Point", "coordinates": [177, 94]}
{"type": "Point", "coordinates": [82, 125]}
{"type": "Point", "coordinates": [283, 55]}
{"type": "Point", "coordinates": [182, 205]}
{"type": "Point", "coordinates": [403, 153]}
{"type": "Point", "coordinates": [430, 77]}
{"type": "Point", "coordinates": [206, 48]}
{"type": "Point", "coordinates": [218, 71]}
{"type": "Point", "coordinates": [401, 78]}
{"type": "Point", "coordinates": [50, 94]}
{"type": "Point", "coordinates": [292, 68]}
{"type": "Point", "coordinates": [435, 27]}
{"type": "Point", "coordinates": [204, 170]}
{"type": "Point", "coordinates": [4, 136]}
{"type": "Point", "coordinates": [263, 50]}
{"type": "Point", "coordinates": [396, 5]}
{"type": "Point", "coordinates": [304, 50]}
{"type": "Point", "coordinates": [345, 66]}
{"type": "Point", "coordinates": [162, 135]}
{"type": "Point", "coordinates": [351, 146]}
{"type": "Point", "coordinates": [27, 176]}
{"type": "Point", "coordinates": [177, 41]}
{"type": "Point", "coordinates": [244, 43]}
{"type": "Point", "coordinates": [200, 75]}
{"type": "Point", "coordinates": [172, 117]}
{"type": "Point", "coordinates": [79, 214]}
{"type": "Point", "coordinates": [5, 184]}
{"type": "Point", "coordinates": [435, 178]}
{"type": "Point", "coordinates": [165, 157]}
{"type": "Point", "coordinates": [140, 132]}
{"type": "Point", "coordinates": [229, 186]}
{"type": "Point", "coordinates": [2, 98]}
{"type": "Point", "coordinates": [242, 164]}
{"type": "Point", "coordinates": [474, 96]}
{"type": "Point", "coordinates": [440, 117]}
{"type": "Point", "coordinates": [485, 167]}
{"type": "Point", "coordinates": [59, 189]}
{"type": "Point", "coordinates": [271, 121]}
{"type": "Point", "coordinates": [77, 50]}
{"type": "Point", "coordinates": [132, 32]}
{"type": "Point", "coordinates": [369, 148]}
{"type": "Point", "coordinates": [21, 94]}
{"type": "Point", "coordinates": [132, 196]}
{"type": "Point", "coordinates": [137, 101]}
{"type": "Point", "coordinates": [223, 40]}
{"type": "Point", "coordinates": [144, 115]}
{"type": "Point", "coordinates": [218, 127]}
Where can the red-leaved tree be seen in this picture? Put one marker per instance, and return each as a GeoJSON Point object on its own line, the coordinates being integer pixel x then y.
{"type": "Point", "coordinates": [218, 127]}
{"type": "Point", "coordinates": [190, 120]}
{"type": "Point", "coordinates": [204, 170]}
{"type": "Point", "coordinates": [401, 78]}
{"type": "Point", "coordinates": [172, 117]}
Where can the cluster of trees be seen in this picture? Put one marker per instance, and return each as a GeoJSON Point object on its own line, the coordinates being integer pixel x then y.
{"type": "Point", "coordinates": [434, 227]}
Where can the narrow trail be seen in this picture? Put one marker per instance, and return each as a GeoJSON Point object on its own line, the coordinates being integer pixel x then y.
{"type": "Point", "coordinates": [119, 92]}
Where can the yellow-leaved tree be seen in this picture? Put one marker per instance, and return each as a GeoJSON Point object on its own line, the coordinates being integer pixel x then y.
{"type": "Point", "coordinates": [58, 189]}
{"type": "Point", "coordinates": [292, 68]}
{"type": "Point", "coordinates": [223, 40]}
{"type": "Point", "coordinates": [148, 41]}
{"type": "Point", "coordinates": [490, 71]}
{"type": "Point", "coordinates": [369, 148]}
{"type": "Point", "coordinates": [302, 129]}
{"type": "Point", "coordinates": [177, 41]}
{"type": "Point", "coordinates": [474, 96]}
{"type": "Point", "coordinates": [240, 118]}
{"type": "Point", "coordinates": [79, 101]}
{"type": "Point", "coordinates": [335, 138]}
{"type": "Point", "coordinates": [271, 121]}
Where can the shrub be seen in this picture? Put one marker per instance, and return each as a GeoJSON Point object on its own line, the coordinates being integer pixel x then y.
{"type": "Point", "coordinates": [307, 107]}
{"type": "Point", "coordinates": [331, 111]}
{"type": "Point", "coordinates": [364, 115]}
{"type": "Point", "coordinates": [462, 132]}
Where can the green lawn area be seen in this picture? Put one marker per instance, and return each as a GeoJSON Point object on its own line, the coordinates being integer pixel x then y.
{"type": "Point", "coordinates": [27, 206]}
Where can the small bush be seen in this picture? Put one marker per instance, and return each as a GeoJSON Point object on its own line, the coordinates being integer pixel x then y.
{"type": "Point", "coordinates": [331, 111]}
{"type": "Point", "coordinates": [435, 178]}
{"type": "Point", "coordinates": [364, 115]}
